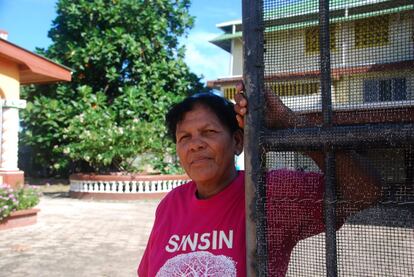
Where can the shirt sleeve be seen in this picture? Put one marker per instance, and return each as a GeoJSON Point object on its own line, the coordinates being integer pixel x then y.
{"type": "Point", "coordinates": [295, 203]}
{"type": "Point", "coordinates": [294, 211]}
{"type": "Point", "coordinates": [143, 268]}
{"type": "Point", "coordinates": [144, 265]}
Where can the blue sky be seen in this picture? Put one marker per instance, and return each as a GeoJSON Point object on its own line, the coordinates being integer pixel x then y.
{"type": "Point", "coordinates": [28, 22]}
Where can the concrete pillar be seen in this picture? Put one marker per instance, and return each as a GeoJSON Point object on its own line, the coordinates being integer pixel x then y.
{"type": "Point", "coordinates": [9, 129]}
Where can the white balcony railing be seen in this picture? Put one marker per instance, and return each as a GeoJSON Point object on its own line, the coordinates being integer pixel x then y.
{"type": "Point", "coordinates": [153, 185]}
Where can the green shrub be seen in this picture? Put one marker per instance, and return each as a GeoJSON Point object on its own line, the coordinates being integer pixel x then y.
{"type": "Point", "coordinates": [127, 69]}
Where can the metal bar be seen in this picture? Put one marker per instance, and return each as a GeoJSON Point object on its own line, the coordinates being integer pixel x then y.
{"type": "Point", "coordinates": [256, 255]}
{"type": "Point", "coordinates": [330, 189]}
{"type": "Point", "coordinates": [325, 62]}
{"type": "Point", "coordinates": [367, 136]}
{"type": "Point", "coordinates": [409, 165]}
{"type": "Point", "coordinates": [330, 214]}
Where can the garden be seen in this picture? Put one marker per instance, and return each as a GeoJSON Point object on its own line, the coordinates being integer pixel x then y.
{"type": "Point", "coordinates": [127, 68]}
{"type": "Point", "coordinates": [17, 205]}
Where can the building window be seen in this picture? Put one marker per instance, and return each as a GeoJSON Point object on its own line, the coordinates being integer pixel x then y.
{"type": "Point", "coordinates": [312, 39]}
{"type": "Point", "coordinates": [385, 90]}
{"type": "Point", "coordinates": [372, 32]}
{"type": "Point", "coordinates": [230, 92]}
{"type": "Point", "coordinates": [295, 89]}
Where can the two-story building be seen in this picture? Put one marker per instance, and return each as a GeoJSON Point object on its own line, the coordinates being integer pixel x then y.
{"type": "Point", "coordinates": [372, 65]}
{"type": "Point", "coordinates": [372, 52]}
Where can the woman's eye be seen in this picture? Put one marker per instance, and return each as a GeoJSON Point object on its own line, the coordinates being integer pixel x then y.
{"type": "Point", "coordinates": [182, 138]}
{"type": "Point", "coordinates": [211, 131]}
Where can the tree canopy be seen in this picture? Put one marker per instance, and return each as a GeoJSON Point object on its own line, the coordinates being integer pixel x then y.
{"type": "Point", "coordinates": [128, 68]}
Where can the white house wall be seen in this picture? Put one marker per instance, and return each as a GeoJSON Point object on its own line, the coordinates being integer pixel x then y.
{"type": "Point", "coordinates": [347, 91]}
{"type": "Point", "coordinates": [355, 84]}
{"type": "Point", "coordinates": [399, 48]}
{"type": "Point", "coordinates": [287, 52]}
{"type": "Point", "coordinates": [237, 54]}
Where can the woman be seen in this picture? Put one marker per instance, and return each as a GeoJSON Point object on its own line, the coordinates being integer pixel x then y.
{"type": "Point", "coordinates": [201, 224]}
{"type": "Point", "coordinates": [199, 228]}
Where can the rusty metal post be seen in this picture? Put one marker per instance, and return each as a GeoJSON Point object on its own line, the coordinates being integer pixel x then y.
{"type": "Point", "coordinates": [330, 178]}
{"type": "Point", "coordinates": [256, 255]}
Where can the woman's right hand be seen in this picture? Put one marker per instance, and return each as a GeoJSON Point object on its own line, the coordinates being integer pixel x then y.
{"type": "Point", "coordinates": [241, 104]}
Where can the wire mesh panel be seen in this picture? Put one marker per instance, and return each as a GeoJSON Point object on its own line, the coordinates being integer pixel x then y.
{"type": "Point", "coordinates": [332, 96]}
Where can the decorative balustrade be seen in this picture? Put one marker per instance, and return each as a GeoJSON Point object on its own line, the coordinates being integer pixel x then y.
{"type": "Point", "coordinates": [138, 185]}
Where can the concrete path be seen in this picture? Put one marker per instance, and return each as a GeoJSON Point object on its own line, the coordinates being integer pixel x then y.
{"type": "Point", "coordinates": [78, 238]}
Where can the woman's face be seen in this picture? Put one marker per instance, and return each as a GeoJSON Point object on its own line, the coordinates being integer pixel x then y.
{"type": "Point", "coordinates": [206, 148]}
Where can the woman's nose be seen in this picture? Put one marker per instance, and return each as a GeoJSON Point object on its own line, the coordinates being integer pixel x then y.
{"type": "Point", "coordinates": [196, 143]}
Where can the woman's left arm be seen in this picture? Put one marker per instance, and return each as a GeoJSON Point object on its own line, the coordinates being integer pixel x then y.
{"type": "Point", "coordinates": [357, 181]}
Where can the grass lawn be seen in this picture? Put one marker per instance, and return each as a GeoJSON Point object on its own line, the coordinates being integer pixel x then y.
{"type": "Point", "coordinates": [52, 187]}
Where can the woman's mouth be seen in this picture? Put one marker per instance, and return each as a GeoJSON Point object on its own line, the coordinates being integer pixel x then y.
{"type": "Point", "coordinates": [199, 160]}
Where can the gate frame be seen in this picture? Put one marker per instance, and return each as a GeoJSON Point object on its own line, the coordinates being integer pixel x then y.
{"type": "Point", "coordinates": [329, 138]}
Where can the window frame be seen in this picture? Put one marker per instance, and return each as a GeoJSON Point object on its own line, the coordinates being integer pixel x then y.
{"type": "Point", "coordinates": [312, 33]}
{"type": "Point", "coordinates": [378, 87]}
{"type": "Point", "coordinates": [366, 36]}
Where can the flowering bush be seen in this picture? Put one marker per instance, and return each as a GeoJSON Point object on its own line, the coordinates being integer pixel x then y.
{"type": "Point", "coordinates": [14, 200]}
{"type": "Point", "coordinates": [126, 74]}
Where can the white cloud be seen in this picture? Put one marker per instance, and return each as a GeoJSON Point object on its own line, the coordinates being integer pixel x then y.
{"type": "Point", "coordinates": [204, 58]}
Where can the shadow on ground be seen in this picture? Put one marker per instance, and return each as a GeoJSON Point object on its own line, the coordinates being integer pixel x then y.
{"type": "Point", "coordinates": [56, 194]}
{"type": "Point", "coordinates": [53, 188]}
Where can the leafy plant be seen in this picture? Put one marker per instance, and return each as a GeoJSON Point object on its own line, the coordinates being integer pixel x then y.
{"type": "Point", "coordinates": [128, 68]}
{"type": "Point", "coordinates": [15, 200]}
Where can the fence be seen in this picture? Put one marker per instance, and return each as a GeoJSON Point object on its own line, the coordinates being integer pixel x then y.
{"type": "Point", "coordinates": [131, 186]}
{"type": "Point", "coordinates": [330, 87]}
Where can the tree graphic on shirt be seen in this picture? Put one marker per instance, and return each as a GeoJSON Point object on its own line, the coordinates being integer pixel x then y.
{"type": "Point", "coordinates": [197, 264]}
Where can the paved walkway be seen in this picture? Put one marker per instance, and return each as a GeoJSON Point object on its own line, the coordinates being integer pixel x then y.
{"type": "Point", "coordinates": [78, 238]}
{"type": "Point", "coordinates": [107, 239]}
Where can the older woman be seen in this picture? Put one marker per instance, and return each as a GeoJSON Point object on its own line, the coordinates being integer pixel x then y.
{"type": "Point", "coordinates": [199, 229]}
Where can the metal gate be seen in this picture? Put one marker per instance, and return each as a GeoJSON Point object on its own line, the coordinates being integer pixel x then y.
{"type": "Point", "coordinates": [330, 168]}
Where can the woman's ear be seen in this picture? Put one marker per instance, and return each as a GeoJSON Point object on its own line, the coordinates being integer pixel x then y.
{"type": "Point", "coordinates": [238, 137]}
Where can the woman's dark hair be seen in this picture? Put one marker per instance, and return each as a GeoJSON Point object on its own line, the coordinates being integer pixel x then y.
{"type": "Point", "coordinates": [220, 106]}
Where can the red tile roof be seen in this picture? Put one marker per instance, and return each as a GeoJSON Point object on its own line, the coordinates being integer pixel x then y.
{"type": "Point", "coordinates": [34, 69]}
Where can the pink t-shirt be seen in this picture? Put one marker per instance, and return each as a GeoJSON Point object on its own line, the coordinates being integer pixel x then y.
{"type": "Point", "coordinates": [294, 211]}
{"type": "Point", "coordinates": [191, 236]}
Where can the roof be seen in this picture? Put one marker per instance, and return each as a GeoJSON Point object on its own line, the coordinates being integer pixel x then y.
{"type": "Point", "coordinates": [227, 26]}
{"type": "Point", "coordinates": [33, 68]}
{"type": "Point", "coordinates": [304, 13]}
{"type": "Point", "coordinates": [223, 41]}
{"type": "Point", "coordinates": [306, 7]}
